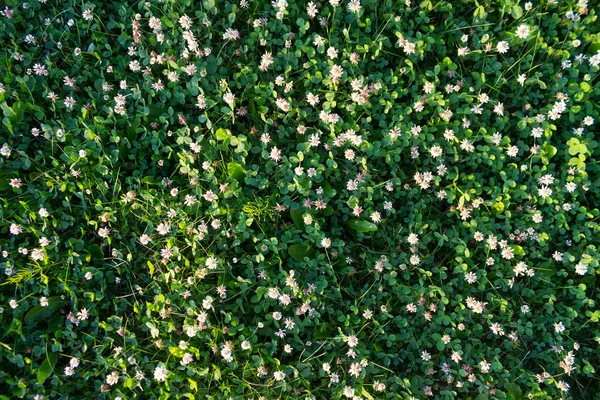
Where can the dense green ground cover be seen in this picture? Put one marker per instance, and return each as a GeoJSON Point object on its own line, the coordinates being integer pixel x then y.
{"type": "Point", "coordinates": [248, 199]}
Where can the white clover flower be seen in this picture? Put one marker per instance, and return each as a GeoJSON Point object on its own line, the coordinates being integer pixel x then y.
{"type": "Point", "coordinates": [352, 341]}
{"type": "Point", "coordinates": [471, 277]}
{"type": "Point", "coordinates": [37, 254]}
{"type": "Point", "coordinates": [502, 47]}
{"type": "Point", "coordinates": [581, 269]}
{"type": "Point", "coordinates": [354, 6]}
{"type": "Point", "coordinates": [275, 154]}
{"type": "Point", "coordinates": [185, 22]}
{"type": "Point", "coordinates": [160, 373]}
{"type": "Point", "coordinates": [544, 192]}
{"type": "Point", "coordinates": [484, 366]}
{"type": "Point", "coordinates": [112, 379]}
{"type": "Point", "coordinates": [355, 369]}
{"type": "Point", "coordinates": [187, 358]}
{"type": "Point", "coordinates": [456, 357]}
{"type": "Point", "coordinates": [163, 228]}
{"type": "Point", "coordinates": [5, 150]}
{"type": "Point", "coordinates": [211, 262]}
{"type": "Point", "coordinates": [229, 98]}
{"type": "Point", "coordinates": [279, 375]}
{"type": "Point", "coordinates": [522, 31]}
{"type": "Point", "coordinates": [413, 239]}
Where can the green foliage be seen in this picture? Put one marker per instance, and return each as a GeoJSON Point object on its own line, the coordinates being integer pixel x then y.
{"type": "Point", "coordinates": [254, 199]}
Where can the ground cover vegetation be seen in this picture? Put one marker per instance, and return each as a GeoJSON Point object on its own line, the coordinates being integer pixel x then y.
{"type": "Point", "coordinates": [364, 199]}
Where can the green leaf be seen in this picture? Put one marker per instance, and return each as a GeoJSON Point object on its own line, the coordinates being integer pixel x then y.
{"type": "Point", "coordinates": [154, 332]}
{"type": "Point", "coordinates": [517, 12]}
{"type": "Point", "coordinates": [176, 351]}
{"type": "Point", "coordinates": [514, 391]}
{"type": "Point", "coordinates": [236, 171]}
{"type": "Point", "coordinates": [150, 267]}
{"type": "Point", "coordinates": [362, 226]}
{"type": "Point", "coordinates": [518, 250]}
{"type": "Point", "coordinates": [8, 124]}
{"type": "Point", "coordinates": [586, 87]}
{"type": "Point", "coordinates": [7, 110]}
{"type": "Point", "coordinates": [47, 367]}
{"type": "Point", "coordinates": [550, 150]}
{"type": "Point", "coordinates": [130, 383]}
{"type": "Point", "coordinates": [573, 150]}
{"type": "Point", "coordinates": [327, 211]}
{"type": "Point", "coordinates": [541, 84]}
{"type": "Point", "coordinates": [297, 217]}
{"type": "Point", "coordinates": [303, 25]}
{"type": "Point", "coordinates": [132, 128]}
{"type": "Point", "coordinates": [498, 207]}
{"type": "Point", "coordinates": [39, 313]}
{"type": "Point", "coordinates": [480, 12]}
{"type": "Point", "coordinates": [216, 372]}
{"type": "Point", "coordinates": [19, 391]}
{"type": "Point", "coordinates": [366, 394]}
{"type": "Point", "coordinates": [223, 134]}
{"type": "Point", "coordinates": [96, 252]}
{"type": "Point", "coordinates": [211, 64]}
{"type": "Point", "coordinates": [323, 331]}
{"type": "Point", "coordinates": [299, 251]}
{"type": "Point", "coordinates": [547, 268]}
